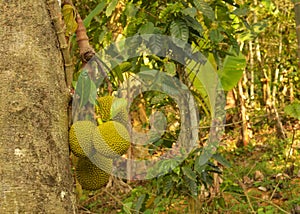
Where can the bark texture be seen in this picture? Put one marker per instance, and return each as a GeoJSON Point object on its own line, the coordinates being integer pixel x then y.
{"type": "Point", "coordinates": [35, 174]}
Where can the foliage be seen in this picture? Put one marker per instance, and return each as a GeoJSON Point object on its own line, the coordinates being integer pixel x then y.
{"type": "Point", "coordinates": [184, 180]}
{"type": "Point", "coordinates": [223, 31]}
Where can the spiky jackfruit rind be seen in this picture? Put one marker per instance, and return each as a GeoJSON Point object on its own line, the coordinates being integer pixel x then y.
{"type": "Point", "coordinates": [102, 109]}
{"type": "Point", "coordinates": [112, 108]}
{"type": "Point", "coordinates": [80, 138]}
{"type": "Point", "coordinates": [102, 162]}
{"type": "Point", "coordinates": [89, 175]}
{"type": "Point", "coordinates": [111, 139]}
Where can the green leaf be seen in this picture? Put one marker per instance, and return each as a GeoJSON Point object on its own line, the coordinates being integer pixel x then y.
{"type": "Point", "coordinates": [127, 207]}
{"type": "Point", "coordinates": [293, 110]}
{"type": "Point", "coordinates": [168, 184]}
{"type": "Point", "coordinates": [93, 93]}
{"type": "Point", "coordinates": [111, 7]}
{"type": "Point", "coordinates": [170, 68]}
{"type": "Point", "coordinates": [204, 7]}
{"type": "Point", "coordinates": [242, 11]}
{"type": "Point", "coordinates": [83, 88]}
{"type": "Point", "coordinates": [221, 202]}
{"type": "Point", "coordinates": [69, 15]}
{"type": "Point", "coordinates": [204, 79]}
{"type": "Point", "coordinates": [118, 70]}
{"type": "Point", "coordinates": [140, 204]}
{"type": "Point", "coordinates": [187, 171]}
{"type": "Point", "coordinates": [179, 30]}
{"type": "Point", "coordinates": [147, 28]}
{"type": "Point", "coordinates": [98, 9]}
{"type": "Point", "coordinates": [194, 24]}
{"type": "Point", "coordinates": [155, 44]}
{"type": "Point", "coordinates": [130, 10]}
{"type": "Point", "coordinates": [216, 36]}
{"type": "Point", "coordinates": [190, 11]}
{"type": "Point", "coordinates": [192, 186]}
{"type": "Point", "coordinates": [218, 157]}
{"type": "Point", "coordinates": [233, 68]}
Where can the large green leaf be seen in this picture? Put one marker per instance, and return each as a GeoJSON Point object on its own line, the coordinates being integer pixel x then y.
{"type": "Point", "coordinates": [232, 71]}
{"type": "Point", "coordinates": [204, 79]}
{"type": "Point", "coordinates": [179, 30]}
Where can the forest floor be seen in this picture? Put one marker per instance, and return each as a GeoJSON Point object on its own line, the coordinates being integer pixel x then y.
{"type": "Point", "coordinates": [264, 178]}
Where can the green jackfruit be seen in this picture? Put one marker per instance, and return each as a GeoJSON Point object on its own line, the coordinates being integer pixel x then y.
{"type": "Point", "coordinates": [89, 175]}
{"type": "Point", "coordinates": [102, 162]}
{"type": "Point", "coordinates": [111, 139]}
{"type": "Point", "coordinates": [103, 108]}
{"type": "Point", "coordinates": [80, 138]}
{"type": "Point", "coordinates": [112, 108]}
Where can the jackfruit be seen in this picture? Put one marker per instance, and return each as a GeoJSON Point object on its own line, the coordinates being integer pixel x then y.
{"type": "Point", "coordinates": [112, 108]}
{"type": "Point", "coordinates": [111, 139]}
{"type": "Point", "coordinates": [80, 138]}
{"type": "Point", "coordinates": [103, 108]}
{"type": "Point", "coordinates": [102, 162]}
{"type": "Point", "coordinates": [89, 175]}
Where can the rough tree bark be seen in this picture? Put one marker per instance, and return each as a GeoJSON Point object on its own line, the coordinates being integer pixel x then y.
{"type": "Point", "coordinates": [35, 174]}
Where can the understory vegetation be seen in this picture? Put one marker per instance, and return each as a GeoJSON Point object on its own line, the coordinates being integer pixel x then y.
{"type": "Point", "coordinates": [252, 47]}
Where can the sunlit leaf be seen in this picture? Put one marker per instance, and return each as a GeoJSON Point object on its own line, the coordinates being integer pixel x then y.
{"type": "Point", "coordinates": [232, 71]}
{"type": "Point", "coordinates": [127, 207]}
{"type": "Point", "coordinates": [111, 7]}
{"type": "Point", "coordinates": [69, 15]}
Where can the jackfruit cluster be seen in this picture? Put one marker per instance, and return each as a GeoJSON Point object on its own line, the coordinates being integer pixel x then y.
{"type": "Point", "coordinates": [96, 146]}
{"type": "Point", "coordinates": [90, 176]}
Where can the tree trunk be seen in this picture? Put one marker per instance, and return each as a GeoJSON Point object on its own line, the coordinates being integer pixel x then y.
{"type": "Point", "coordinates": [35, 174]}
